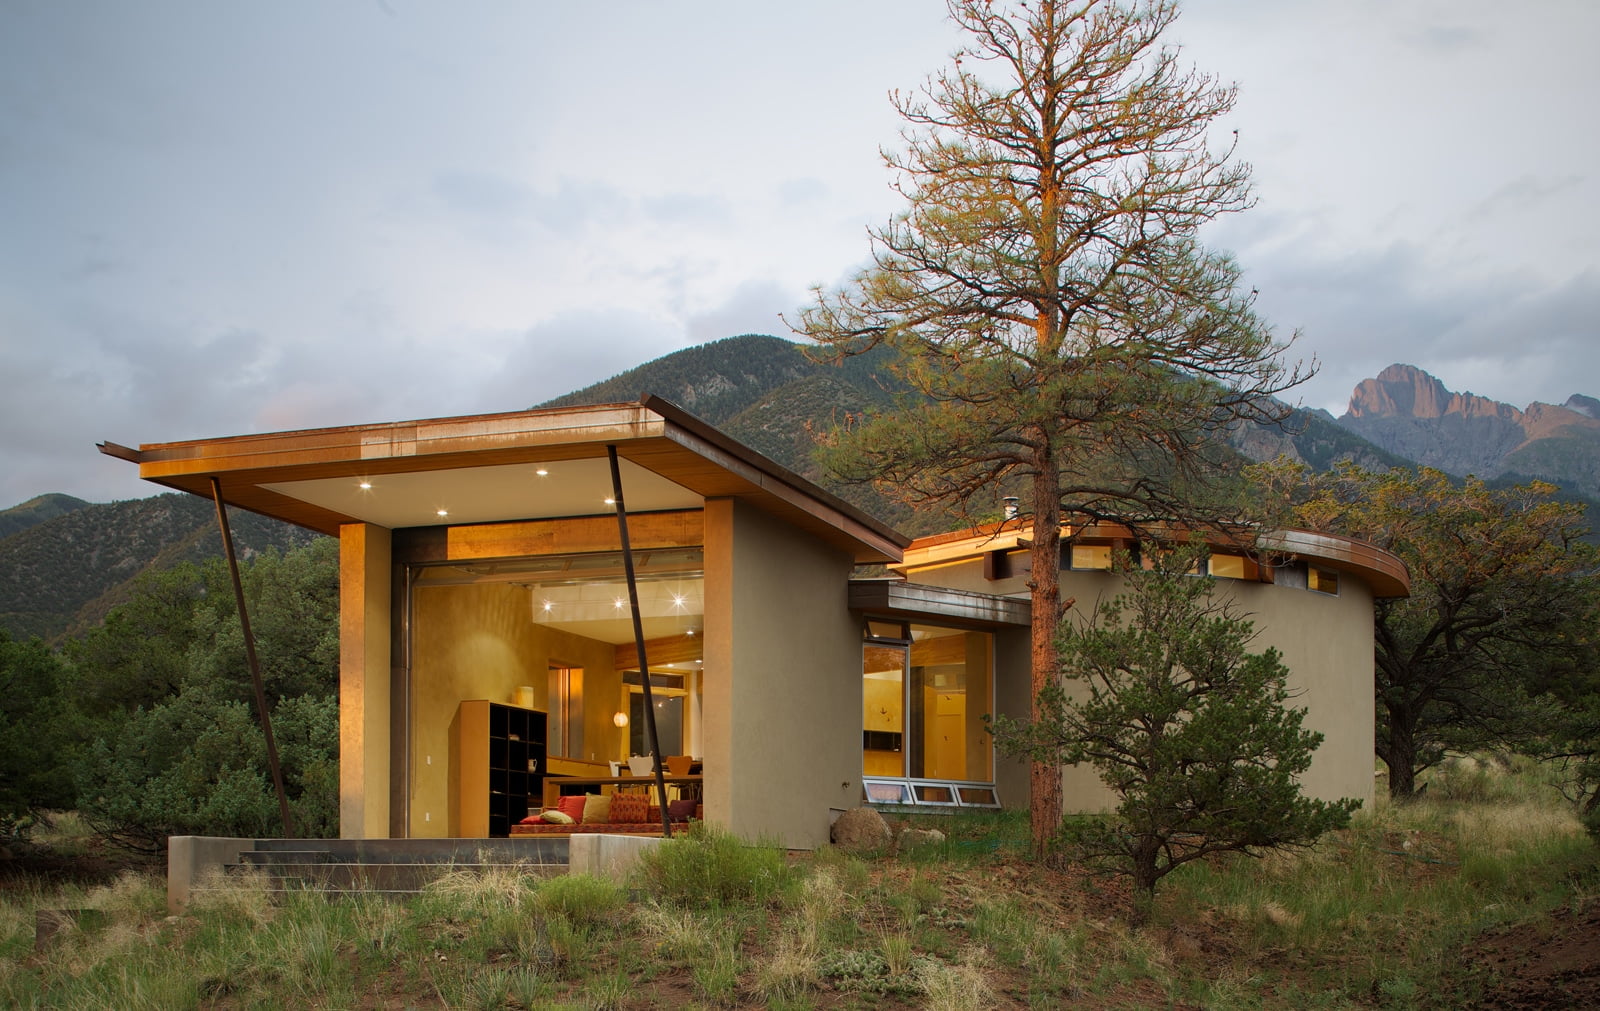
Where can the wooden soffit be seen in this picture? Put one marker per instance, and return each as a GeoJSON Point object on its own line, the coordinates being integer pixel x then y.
{"type": "Point", "coordinates": [494, 468]}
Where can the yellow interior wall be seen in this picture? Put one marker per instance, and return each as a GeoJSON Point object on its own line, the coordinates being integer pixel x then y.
{"type": "Point", "coordinates": [882, 710]}
{"type": "Point", "coordinates": [480, 642]}
{"type": "Point", "coordinates": [978, 759]}
{"type": "Point", "coordinates": [943, 744]}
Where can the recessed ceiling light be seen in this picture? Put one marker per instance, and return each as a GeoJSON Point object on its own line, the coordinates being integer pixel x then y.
{"type": "Point", "coordinates": [365, 486]}
{"type": "Point", "coordinates": [619, 603]}
{"type": "Point", "coordinates": [611, 501]}
{"type": "Point", "coordinates": [548, 605]}
{"type": "Point", "coordinates": [543, 472]}
{"type": "Point", "coordinates": [677, 600]}
{"type": "Point", "coordinates": [444, 512]}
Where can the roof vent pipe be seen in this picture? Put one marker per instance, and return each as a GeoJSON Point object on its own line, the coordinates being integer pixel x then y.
{"type": "Point", "coordinates": [1010, 502]}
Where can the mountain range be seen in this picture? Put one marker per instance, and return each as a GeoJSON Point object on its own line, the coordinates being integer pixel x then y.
{"type": "Point", "coordinates": [1412, 414]}
{"type": "Point", "coordinates": [63, 572]}
{"type": "Point", "coordinates": [66, 562]}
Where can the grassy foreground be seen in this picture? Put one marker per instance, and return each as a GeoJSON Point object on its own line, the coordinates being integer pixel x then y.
{"type": "Point", "coordinates": [1376, 915]}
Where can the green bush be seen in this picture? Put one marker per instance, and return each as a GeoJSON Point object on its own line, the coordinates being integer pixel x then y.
{"type": "Point", "coordinates": [582, 899]}
{"type": "Point", "coordinates": [33, 740]}
{"type": "Point", "coordinates": [197, 765]}
{"type": "Point", "coordinates": [709, 868]}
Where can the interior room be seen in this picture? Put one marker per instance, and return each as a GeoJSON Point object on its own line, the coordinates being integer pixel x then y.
{"type": "Point", "coordinates": [554, 634]}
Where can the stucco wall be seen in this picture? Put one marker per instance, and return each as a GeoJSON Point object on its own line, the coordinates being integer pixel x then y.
{"type": "Point", "coordinates": [364, 710]}
{"type": "Point", "coordinates": [1326, 642]}
{"type": "Point", "coordinates": [480, 642]}
{"type": "Point", "coordinates": [782, 679]}
{"type": "Point", "coordinates": [1011, 698]}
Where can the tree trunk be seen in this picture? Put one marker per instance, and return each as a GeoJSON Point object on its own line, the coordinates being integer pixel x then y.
{"type": "Point", "coordinates": [1044, 780]}
{"type": "Point", "coordinates": [1145, 877]}
{"type": "Point", "coordinates": [1399, 753]}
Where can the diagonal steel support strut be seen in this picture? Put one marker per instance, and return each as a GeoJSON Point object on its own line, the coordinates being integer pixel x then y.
{"type": "Point", "coordinates": [250, 655]}
{"type": "Point", "coordinates": [638, 639]}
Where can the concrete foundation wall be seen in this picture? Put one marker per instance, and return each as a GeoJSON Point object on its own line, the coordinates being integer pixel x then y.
{"type": "Point", "coordinates": [191, 857]}
{"type": "Point", "coordinates": [607, 856]}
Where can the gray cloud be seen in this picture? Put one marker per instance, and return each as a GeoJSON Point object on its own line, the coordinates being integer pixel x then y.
{"type": "Point", "coordinates": [225, 218]}
{"type": "Point", "coordinates": [752, 307]}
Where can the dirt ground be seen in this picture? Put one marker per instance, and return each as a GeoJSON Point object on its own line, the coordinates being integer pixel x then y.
{"type": "Point", "coordinates": [1554, 963]}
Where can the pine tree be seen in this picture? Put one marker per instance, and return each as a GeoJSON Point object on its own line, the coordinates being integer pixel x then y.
{"type": "Point", "coordinates": [1060, 327]}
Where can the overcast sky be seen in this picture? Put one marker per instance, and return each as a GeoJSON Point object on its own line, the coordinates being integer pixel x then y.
{"type": "Point", "coordinates": [222, 217]}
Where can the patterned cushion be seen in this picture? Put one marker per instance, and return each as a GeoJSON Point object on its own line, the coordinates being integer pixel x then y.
{"type": "Point", "coordinates": [629, 808]}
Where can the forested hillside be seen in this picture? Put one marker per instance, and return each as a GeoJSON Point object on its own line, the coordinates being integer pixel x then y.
{"type": "Point", "coordinates": [64, 574]}
{"type": "Point", "coordinates": [35, 511]}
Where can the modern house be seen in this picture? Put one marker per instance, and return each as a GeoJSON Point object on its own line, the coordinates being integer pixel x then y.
{"type": "Point", "coordinates": [481, 570]}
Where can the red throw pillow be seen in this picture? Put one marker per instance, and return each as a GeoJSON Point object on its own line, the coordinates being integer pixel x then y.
{"type": "Point", "coordinates": [532, 819]}
{"type": "Point", "coordinates": [572, 807]}
{"type": "Point", "coordinates": [681, 810]}
{"type": "Point", "coordinates": [629, 808]}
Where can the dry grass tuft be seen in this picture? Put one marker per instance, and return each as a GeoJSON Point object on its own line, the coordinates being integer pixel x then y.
{"type": "Point", "coordinates": [244, 897]}
{"type": "Point", "coordinates": [963, 986]}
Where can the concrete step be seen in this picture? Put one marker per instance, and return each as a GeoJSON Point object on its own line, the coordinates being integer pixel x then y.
{"type": "Point", "coordinates": [531, 850]}
{"type": "Point", "coordinates": [383, 866]}
{"type": "Point", "coordinates": [408, 878]}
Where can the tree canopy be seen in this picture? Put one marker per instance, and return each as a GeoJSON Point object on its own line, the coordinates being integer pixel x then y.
{"type": "Point", "coordinates": [160, 696]}
{"type": "Point", "coordinates": [1502, 607]}
{"type": "Point", "coordinates": [1060, 327]}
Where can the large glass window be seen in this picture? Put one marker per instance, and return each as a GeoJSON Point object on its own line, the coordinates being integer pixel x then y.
{"type": "Point", "coordinates": [923, 703]}
{"type": "Point", "coordinates": [555, 632]}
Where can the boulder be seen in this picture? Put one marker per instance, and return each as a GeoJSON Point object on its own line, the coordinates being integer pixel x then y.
{"type": "Point", "coordinates": [915, 838]}
{"type": "Point", "coordinates": [861, 830]}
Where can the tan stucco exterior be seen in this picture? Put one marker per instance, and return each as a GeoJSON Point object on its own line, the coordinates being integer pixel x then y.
{"type": "Point", "coordinates": [782, 678]}
{"type": "Point", "coordinates": [364, 675]}
{"type": "Point", "coordinates": [1325, 641]}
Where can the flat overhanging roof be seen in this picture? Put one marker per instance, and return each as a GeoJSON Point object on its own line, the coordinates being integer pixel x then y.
{"type": "Point", "coordinates": [897, 598]}
{"type": "Point", "coordinates": [486, 469]}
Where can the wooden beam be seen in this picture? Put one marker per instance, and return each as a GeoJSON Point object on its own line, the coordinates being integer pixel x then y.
{"type": "Point", "coordinates": [670, 649]}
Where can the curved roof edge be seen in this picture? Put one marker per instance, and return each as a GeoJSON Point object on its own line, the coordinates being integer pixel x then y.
{"type": "Point", "coordinates": [1382, 570]}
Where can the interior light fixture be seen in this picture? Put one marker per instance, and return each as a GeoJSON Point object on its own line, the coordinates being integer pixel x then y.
{"type": "Point", "coordinates": [611, 501]}
{"type": "Point", "coordinates": [548, 605]}
{"type": "Point", "coordinates": [365, 486]}
{"type": "Point", "coordinates": [677, 600]}
{"type": "Point", "coordinates": [621, 719]}
{"type": "Point", "coordinates": [619, 603]}
{"type": "Point", "coordinates": [444, 512]}
{"type": "Point", "coordinates": [543, 472]}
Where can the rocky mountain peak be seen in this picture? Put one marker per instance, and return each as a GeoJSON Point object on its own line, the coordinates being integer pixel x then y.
{"type": "Point", "coordinates": [1589, 407]}
{"type": "Point", "coordinates": [1405, 391]}
{"type": "Point", "coordinates": [1410, 413]}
